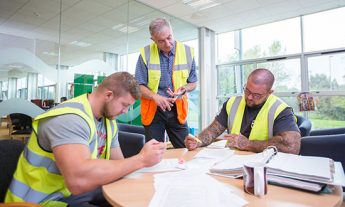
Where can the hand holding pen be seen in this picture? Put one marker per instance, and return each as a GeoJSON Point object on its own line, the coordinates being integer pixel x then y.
{"type": "Point", "coordinates": [192, 142]}
{"type": "Point", "coordinates": [178, 94]}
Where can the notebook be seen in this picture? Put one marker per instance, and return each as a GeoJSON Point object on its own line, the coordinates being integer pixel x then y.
{"type": "Point", "coordinates": [305, 172]}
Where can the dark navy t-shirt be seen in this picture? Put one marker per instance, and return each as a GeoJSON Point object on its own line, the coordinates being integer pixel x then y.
{"type": "Point", "coordinates": [285, 121]}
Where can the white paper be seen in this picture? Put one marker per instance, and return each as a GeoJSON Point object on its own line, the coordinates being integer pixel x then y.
{"type": "Point", "coordinates": [219, 154]}
{"type": "Point", "coordinates": [190, 188]}
{"type": "Point", "coordinates": [164, 165]}
{"type": "Point", "coordinates": [218, 144]}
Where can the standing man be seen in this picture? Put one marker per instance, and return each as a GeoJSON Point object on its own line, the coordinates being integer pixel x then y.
{"type": "Point", "coordinates": [74, 149]}
{"type": "Point", "coordinates": [255, 120]}
{"type": "Point", "coordinates": [165, 71]}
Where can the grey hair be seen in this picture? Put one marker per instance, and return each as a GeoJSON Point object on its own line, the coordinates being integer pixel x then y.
{"type": "Point", "coordinates": [157, 25]}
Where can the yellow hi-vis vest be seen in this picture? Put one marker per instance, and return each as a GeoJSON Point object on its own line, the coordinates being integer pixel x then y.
{"type": "Point", "coordinates": [182, 66]}
{"type": "Point", "coordinates": [262, 128]}
{"type": "Point", "coordinates": [37, 178]}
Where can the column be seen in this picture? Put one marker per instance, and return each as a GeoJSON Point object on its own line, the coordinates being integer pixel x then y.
{"type": "Point", "coordinates": [12, 87]}
{"type": "Point", "coordinates": [112, 59]}
{"type": "Point", "coordinates": [32, 85]}
{"type": "Point", "coordinates": [61, 85]}
{"type": "Point", "coordinates": [208, 76]}
{"type": "Point", "coordinates": [1, 90]}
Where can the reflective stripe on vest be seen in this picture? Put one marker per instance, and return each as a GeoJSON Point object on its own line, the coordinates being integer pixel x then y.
{"type": "Point", "coordinates": [35, 163]}
{"type": "Point", "coordinates": [262, 128]}
{"type": "Point", "coordinates": [182, 66]}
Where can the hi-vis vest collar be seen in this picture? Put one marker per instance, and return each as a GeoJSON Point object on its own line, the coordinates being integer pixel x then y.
{"type": "Point", "coordinates": [262, 128]}
{"type": "Point", "coordinates": [37, 178]}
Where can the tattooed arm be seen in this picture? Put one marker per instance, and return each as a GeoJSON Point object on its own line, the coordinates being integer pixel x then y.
{"type": "Point", "coordinates": [288, 142]}
{"type": "Point", "coordinates": [206, 136]}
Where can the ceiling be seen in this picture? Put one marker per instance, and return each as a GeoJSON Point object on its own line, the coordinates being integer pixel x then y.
{"type": "Point", "coordinates": [230, 15]}
{"type": "Point", "coordinates": [91, 27]}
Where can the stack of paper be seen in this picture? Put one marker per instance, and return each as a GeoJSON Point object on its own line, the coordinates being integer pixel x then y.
{"type": "Point", "coordinates": [191, 188]}
{"type": "Point", "coordinates": [305, 172]}
{"type": "Point", "coordinates": [218, 144]}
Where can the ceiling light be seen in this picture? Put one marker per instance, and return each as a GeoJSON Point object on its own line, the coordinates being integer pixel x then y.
{"type": "Point", "coordinates": [80, 44]}
{"type": "Point", "coordinates": [117, 27]}
{"type": "Point", "coordinates": [201, 4]}
{"type": "Point", "coordinates": [50, 53]}
{"type": "Point", "coordinates": [128, 29]}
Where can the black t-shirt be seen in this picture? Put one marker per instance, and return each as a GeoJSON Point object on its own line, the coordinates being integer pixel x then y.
{"type": "Point", "coordinates": [285, 121]}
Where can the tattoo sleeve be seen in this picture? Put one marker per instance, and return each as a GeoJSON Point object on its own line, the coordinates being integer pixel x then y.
{"type": "Point", "coordinates": [211, 132]}
{"type": "Point", "coordinates": [288, 142]}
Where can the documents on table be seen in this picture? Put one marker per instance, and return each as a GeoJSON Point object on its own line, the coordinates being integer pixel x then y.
{"type": "Point", "coordinates": [164, 165]}
{"type": "Point", "coordinates": [218, 144]}
{"type": "Point", "coordinates": [305, 172]}
{"type": "Point", "coordinates": [190, 188]}
{"type": "Point", "coordinates": [206, 158]}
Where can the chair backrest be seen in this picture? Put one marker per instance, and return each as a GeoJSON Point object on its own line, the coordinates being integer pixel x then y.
{"type": "Point", "coordinates": [304, 125]}
{"type": "Point", "coordinates": [131, 128]}
{"type": "Point", "coordinates": [329, 131]}
{"type": "Point", "coordinates": [9, 154]}
{"type": "Point", "coordinates": [131, 143]}
{"type": "Point", "coordinates": [331, 146]}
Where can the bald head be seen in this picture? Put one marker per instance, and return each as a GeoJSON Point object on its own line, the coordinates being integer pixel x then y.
{"type": "Point", "coordinates": [262, 76]}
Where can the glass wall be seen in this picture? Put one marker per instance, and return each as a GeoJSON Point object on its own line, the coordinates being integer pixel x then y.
{"type": "Point", "coordinates": [57, 39]}
{"type": "Point", "coordinates": [317, 67]}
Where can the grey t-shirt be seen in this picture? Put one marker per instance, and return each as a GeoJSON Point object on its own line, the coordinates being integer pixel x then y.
{"type": "Point", "coordinates": [71, 129]}
{"type": "Point", "coordinates": [285, 121]}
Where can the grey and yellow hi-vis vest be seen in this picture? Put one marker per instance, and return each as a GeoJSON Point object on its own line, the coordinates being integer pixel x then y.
{"type": "Point", "coordinates": [37, 178]}
{"type": "Point", "coordinates": [262, 128]}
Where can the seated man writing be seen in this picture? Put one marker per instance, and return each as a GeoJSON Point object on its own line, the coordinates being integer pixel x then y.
{"type": "Point", "coordinates": [255, 120]}
{"type": "Point", "coordinates": [74, 149]}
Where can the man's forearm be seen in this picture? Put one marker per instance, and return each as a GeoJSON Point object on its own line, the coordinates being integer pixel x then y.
{"type": "Point", "coordinates": [214, 130]}
{"type": "Point", "coordinates": [288, 142]}
{"type": "Point", "coordinates": [190, 86]}
{"type": "Point", "coordinates": [146, 93]}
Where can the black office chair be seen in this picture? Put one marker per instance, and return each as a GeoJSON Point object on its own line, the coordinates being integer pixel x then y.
{"type": "Point", "coordinates": [304, 125]}
{"type": "Point", "coordinates": [9, 155]}
{"type": "Point", "coordinates": [331, 146]}
{"type": "Point", "coordinates": [20, 126]}
{"type": "Point", "coordinates": [131, 143]}
{"type": "Point", "coordinates": [329, 131]}
{"type": "Point", "coordinates": [131, 128]}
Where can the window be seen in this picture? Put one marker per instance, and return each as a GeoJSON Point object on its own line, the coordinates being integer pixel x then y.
{"type": "Point", "coordinates": [324, 30]}
{"type": "Point", "coordinates": [327, 72]}
{"type": "Point", "coordinates": [321, 72]}
{"type": "Point", "coordinates": [225, 48]}
{"type": "Point", "coordinates": [272, 39]}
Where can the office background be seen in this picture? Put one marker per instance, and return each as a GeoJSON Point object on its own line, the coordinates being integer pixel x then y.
{"type": "Point", "coordinates": [44, 43]}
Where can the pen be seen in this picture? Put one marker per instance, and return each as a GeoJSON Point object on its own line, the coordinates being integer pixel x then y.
{"type": "Point", "coordinates": [181, 160]}
{"type": "Point", "coordinates": [195, 138]}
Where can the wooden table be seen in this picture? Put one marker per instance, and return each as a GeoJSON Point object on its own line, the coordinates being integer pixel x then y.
{"type": "Point", "coordinates": [138, 191]}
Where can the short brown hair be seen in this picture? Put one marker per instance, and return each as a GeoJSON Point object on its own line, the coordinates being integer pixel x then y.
{"type": "Point", "coordinates": [121, 83]}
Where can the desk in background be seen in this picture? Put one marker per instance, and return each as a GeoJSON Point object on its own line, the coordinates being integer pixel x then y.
{"type": "Point", "coordinates": [138, 191]}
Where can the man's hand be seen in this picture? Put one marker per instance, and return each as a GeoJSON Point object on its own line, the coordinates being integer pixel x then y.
{"type": "Point", "coordinates": [163, 102]}
{"type": "Point", "coordinates": [191, 143]}
{"type": "Point", "coordinates": [178, 93]}
{"type": "Point", "coordinates": [237, 141]}
{"type": "Point", "coordinates": [152, 152]}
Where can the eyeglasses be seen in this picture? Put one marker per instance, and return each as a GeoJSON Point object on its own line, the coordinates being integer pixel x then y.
{"type": "Point", "coordinates": [255, 95]}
